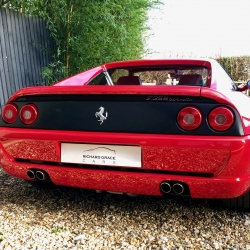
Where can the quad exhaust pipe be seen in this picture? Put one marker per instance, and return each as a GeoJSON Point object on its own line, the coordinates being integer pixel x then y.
{"type": "Point", "coordinates": [40, 175]}
{"type": "Point", "coordinates": [178, 188]}
{"type": "Point", "coordinates": [31, 174]}
{"type": "Point", "coordinates": [171, 187]}
{"type": "Point", "coordinates": [166, 187]}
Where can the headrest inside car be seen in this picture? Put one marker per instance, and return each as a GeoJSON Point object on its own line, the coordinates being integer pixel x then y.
{"type": "Point", "coordinates": [194, 79]}
{"type": "Point", "coordinates": [129, 80]}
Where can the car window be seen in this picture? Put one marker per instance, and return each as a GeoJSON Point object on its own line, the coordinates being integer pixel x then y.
{"type": "Point", "coordinates": [223, 80]}
{"type": "Point", "coordinates": [173, 75]}
{"type": "Point", "coordinates": [99, 80]}
{"type": "Point", "coordinates": [118, 73]}
{"type": "Point", "coordinates": [114, 75]}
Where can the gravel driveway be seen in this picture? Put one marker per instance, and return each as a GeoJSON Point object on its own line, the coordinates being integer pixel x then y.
{"type": "Point", "coordinates": [67, 218]}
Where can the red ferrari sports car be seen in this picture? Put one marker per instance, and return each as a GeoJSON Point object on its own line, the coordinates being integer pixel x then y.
{"type": "Point", "coordinates": [153, 127]}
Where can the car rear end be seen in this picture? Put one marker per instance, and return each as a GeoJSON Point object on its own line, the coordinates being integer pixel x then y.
{"type": "Point", "coordinates": [155, 141]}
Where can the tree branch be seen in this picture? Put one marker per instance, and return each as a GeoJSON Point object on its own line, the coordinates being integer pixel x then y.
{"type": "Point", "coordinates": [4, 2]}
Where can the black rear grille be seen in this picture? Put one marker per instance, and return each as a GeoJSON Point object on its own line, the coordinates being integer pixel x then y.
{"type": "Point", "coordinates": [141, 114]}
{"type": "Point", "coordinates": [120, 169]}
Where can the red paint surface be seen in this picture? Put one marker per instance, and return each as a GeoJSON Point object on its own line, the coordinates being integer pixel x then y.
{"type": "Point", "coordinates": [226, 158]}
{"type": "Point", "coordinates": [123, 90]}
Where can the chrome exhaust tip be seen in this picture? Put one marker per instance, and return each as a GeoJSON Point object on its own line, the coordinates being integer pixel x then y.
{"type": "Point", "coordinates": [31, 174]}
{"type": "Point", "coordinates": [178, 188]}
{"type": "Point", "coordinates": [41, 175]}
{"type": "Point", "coordinates": [165, 187]}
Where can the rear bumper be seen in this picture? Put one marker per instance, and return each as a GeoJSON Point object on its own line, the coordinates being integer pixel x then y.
{"type": "Point", "coordinates": [131, 182]}
{"type": "Point", "coordinates": [225, 159]}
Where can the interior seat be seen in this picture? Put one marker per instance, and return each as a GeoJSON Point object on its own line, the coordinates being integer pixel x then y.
{"type": "Point", "coordinates": [193, 79]}
{"type": "Point", "coordinates": [129, 80]}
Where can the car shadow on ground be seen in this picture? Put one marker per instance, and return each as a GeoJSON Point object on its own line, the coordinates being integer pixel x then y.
{"type": "Point", "coordinates": [17, 191]}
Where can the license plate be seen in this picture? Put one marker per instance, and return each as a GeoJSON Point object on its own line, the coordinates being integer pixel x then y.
{"type": "Point", "coordinates": [107, 155]}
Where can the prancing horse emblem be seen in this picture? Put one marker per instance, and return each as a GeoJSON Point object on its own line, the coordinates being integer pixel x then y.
{"type": "Point", "coordinates": [99, 114]}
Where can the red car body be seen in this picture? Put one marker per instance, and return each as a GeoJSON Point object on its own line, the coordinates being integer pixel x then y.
{"type": "Point", "coordinates": [199, 160]}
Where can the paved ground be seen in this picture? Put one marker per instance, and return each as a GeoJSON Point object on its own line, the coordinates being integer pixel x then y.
{"type": "Point", "coordinates": [67, 218]}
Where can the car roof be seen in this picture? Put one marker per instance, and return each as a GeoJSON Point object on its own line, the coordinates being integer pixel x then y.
{"type": "Point", "coordinates": [151, 62]}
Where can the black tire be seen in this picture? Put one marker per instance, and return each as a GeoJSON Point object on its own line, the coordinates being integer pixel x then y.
{"type": "Point", "coordinates": [242, 202]}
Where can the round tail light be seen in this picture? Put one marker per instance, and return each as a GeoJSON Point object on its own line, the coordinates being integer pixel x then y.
{"type": "Point", "coordinates": [189, 118]}
{"type": "Point", "coordinates": [28, 114]}
{"type": "Point", "coordinates": [221, 118]}
{"type": "Point", "coordinates": [9, 113]}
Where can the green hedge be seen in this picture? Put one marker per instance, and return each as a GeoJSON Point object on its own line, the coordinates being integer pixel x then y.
{"type": "Point", "coordinates": [237, 67]}
{"type": "Point", "coordinates": [90, 32]}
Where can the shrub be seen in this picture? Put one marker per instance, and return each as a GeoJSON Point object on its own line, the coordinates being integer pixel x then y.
{"type": "Point", "coordinates": [237, 67]}
{"type": "Point", "coordinates": [91, 32]}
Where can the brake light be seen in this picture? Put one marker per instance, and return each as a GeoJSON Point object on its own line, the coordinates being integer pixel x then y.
{"type": "Point", "coordinates": [189, 118]}
{"type": "Point", "coordinates": [28, 114]}
{"type": "Point", "coordinates": [221, 118]}
{"type": "Point", "coordinates": [9, 113]}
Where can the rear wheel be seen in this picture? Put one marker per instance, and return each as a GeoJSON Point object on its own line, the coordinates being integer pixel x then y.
{"type": "Point", "coordinates": [242, 202]}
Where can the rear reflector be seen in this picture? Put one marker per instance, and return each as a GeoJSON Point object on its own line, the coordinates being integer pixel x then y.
{"type": "Point", "coordinates": [221, 119]}
{"type": "Point", "coordinates": [28, 114]}
{"type": "Point", "coordinates": [9, 113]}
{"type": "Point", "coordinates": [189, 118]}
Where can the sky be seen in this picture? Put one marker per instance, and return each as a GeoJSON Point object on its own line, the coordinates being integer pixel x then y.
{"type": "Point", "coordinates": [200, 28]}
